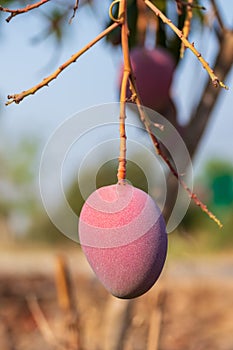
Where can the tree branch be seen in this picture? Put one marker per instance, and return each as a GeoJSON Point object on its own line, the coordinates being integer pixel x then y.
{"type": "Point", "coordinates": [199, 120]}
{"type": "Point", "coordinates": [22, 10]}
{"type": "Point", "coordinates": [17, 98]}
{"type": "Point", "coordinates": [215, 80]}
{"type": "Point", "coordinates": [75, 8]}
{"type": "Point", "coordinates": [161, 153]}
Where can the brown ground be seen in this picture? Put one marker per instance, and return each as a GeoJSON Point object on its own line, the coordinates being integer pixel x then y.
{"type": "Point", "coordinates": [191, 307]}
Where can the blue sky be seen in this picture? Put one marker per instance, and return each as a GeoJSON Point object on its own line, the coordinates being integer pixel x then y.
{"type": "Point", "coordinates": [92, 81]}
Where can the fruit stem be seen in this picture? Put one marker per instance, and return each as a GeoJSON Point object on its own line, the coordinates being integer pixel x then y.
{"type": "Point", "coordinates": [128, 77]}
{"type": "Point", "coordinates": [122, 15]}
{"type": "Point", "coordinates": [144, 118]}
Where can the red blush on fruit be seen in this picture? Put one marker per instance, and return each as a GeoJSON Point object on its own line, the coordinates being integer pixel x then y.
{"type": "Point", "coordinates": [123, 235]}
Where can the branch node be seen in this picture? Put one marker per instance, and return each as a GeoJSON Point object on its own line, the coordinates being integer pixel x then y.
{"type": "Point", "coordinates": [75, 8]}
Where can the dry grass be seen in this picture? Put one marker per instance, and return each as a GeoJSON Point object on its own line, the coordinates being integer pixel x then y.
{"type": "Point", "coordinates": [189, 308]}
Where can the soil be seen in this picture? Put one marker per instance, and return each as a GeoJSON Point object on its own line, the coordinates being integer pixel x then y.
{"type": "Point", "coordinates": [190, 307]}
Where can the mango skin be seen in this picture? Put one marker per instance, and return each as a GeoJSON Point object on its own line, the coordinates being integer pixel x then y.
{"type": "Point", "coordinates": [123, 236]}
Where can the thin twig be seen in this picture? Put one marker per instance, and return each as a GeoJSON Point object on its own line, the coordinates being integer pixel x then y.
{"type": "Point", "coordinates": [17, 98]}
{"type": "Point", "coordinates": [41, 321]}
{"type": "Point", "coordinates": [45, 328]}
{"type": "Point", "coordinates": [215, 80]}
{"type": "Point", "coordinates": [186, 3]}
{"type": "Point", "coordinates": [22, 10]}
{"type": "Point", "coordinates": [144, 118]}
{"type": "Point", "coordinates": [75, 8]}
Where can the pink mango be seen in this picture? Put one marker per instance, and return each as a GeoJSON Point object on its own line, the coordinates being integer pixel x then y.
{"type": "Point", "coordinates": [123, 235]}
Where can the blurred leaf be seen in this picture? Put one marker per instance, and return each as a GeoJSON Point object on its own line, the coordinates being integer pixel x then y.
{"type": "Point", "coordinates": [21, 164]}
{"type": "Point", "coordinates": [55, 24]}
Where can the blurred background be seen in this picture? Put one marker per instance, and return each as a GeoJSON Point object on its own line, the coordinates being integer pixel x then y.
{"type": "Point", "coordinates": [32, 46]}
